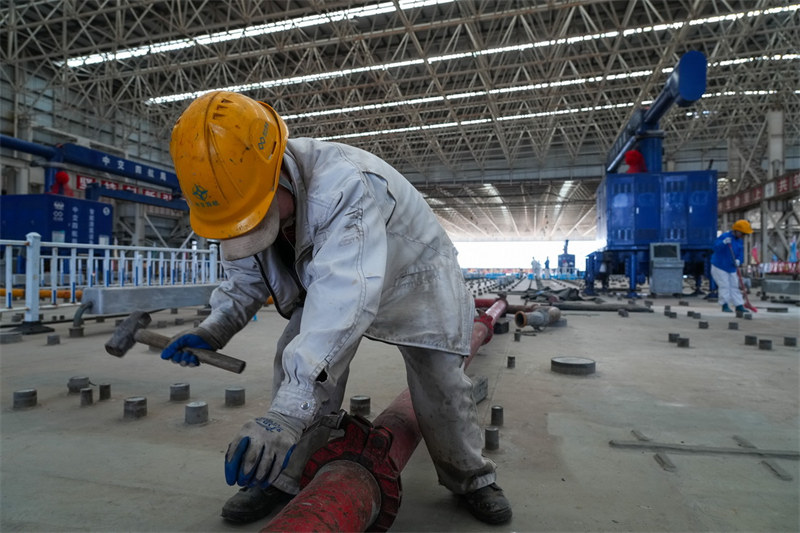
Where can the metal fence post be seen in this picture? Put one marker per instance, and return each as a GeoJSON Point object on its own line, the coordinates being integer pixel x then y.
{"type": "Point", "coordinates": [31, 322]}
{"type": "Point", "coordinates": [9, 276]}
{"type": "Point", "coordinates": [214, 257]}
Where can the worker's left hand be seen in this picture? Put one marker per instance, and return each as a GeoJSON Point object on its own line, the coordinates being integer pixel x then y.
{"type": "Point", "coordinates": [193, 338]}
{"type": "Point", "coordinates": [738, 262]}
{"type": "Point", "coordinates": [261, 450]}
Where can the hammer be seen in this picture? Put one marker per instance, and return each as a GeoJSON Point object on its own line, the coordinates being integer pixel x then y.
{"type": "Point", "coordinates": [131, 330]}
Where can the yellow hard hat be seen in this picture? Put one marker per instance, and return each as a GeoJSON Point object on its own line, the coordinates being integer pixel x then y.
{"type": "Point", "coordinates": [227, 150]}
{"type": "Point", "coordinates": [742, 226]}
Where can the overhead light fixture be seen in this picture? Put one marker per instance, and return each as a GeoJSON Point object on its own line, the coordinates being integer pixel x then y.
{"type": "Point", "coordinates": [311, 78]}
{"type": "Point", "coordinates": [250, 31]}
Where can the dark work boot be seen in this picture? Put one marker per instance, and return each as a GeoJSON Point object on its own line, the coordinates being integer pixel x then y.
{"type": "Point", "coordinates": [740, 309]}
{"type": "Point", "coordinates": [489, 504]}
{"type": "Point", "coordinates": [253, 503]}
{"type": "Point", "coordinates": [726, 308]}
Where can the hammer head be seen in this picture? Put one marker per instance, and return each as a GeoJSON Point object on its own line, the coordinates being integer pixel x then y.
{"type": "Point", "coordinates": [124, 336]}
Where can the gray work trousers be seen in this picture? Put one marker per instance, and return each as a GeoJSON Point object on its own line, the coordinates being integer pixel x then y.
{"type": "Point", "coordinates": [441, 394]}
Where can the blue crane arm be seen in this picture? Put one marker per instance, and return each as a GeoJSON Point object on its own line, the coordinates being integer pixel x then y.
{"type": "Point", "coordinates": [684, 86]}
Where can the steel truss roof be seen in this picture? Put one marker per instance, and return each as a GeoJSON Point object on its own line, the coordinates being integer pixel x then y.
{"type": "Point", "coordinates": [505, 141]}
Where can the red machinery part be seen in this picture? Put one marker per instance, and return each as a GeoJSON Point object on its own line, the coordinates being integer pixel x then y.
{"type": "Point", "coordinates": [338, 501]}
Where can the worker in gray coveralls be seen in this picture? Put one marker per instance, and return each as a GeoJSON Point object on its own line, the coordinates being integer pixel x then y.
{"type": "Point", "coordinates": [347, 248]}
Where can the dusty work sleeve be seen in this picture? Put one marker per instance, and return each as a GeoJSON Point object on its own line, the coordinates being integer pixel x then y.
{"type": "Point", "coordinates": [346, 274]}
{"type": "Point", "coordinates": [236, 300]}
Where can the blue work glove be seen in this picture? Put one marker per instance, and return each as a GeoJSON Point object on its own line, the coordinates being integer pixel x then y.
{"type": "Point", "coordinates": [193, 338]}
{"type": "Point", "coordinates": [261, 450]}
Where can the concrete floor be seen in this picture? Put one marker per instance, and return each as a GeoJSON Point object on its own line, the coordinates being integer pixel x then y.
{"type": "Point", "coordinates": [71, 468]}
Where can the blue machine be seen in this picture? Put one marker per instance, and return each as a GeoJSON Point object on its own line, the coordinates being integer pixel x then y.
{"type": "Point", "coordinates": [636, 210]}
{"type": "Point", "coordinates": [56, 218]}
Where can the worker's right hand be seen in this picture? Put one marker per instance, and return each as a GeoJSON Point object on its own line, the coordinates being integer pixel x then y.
{"type": "Point", "coordinates": [261, 450]}
{"type": "Point", "coordinates": [194, 338]}
{"type": "Point", "coordinates": [726, 240]}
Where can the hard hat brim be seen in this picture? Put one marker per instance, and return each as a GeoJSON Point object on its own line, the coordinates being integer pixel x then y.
{"type": "Point", "coordinates": [256, 240]}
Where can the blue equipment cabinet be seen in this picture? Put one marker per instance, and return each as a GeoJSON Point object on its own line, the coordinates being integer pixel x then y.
{"type": "Point", "coordinates": [56, 218]}
{"type": "Point", "coordinates": [636, 210]}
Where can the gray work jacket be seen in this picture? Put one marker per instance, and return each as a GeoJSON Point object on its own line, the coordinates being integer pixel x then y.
{"type": "Point", "coordinates": [372, 259]}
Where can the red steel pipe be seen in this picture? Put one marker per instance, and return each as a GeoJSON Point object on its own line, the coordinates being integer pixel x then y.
{"type": "Point", "coordinates": [336, 502]}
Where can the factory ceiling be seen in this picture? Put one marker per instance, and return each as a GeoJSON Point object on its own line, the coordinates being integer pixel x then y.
{"type": "Point", "coordinates": [501, 112]}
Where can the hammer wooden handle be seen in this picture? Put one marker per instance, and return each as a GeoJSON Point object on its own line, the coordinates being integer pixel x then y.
{"type": "Point", "coordinates": [209, 357]}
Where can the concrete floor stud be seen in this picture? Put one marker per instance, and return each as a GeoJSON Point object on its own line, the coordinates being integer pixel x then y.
{"type": "Point", "coordinates": [360, 405]}
{"type": "Point", "coordinates": [76, 332]}
{"type": "Point", "coordinates": [87, 396]}
{"type": "Point", "coordinates": [748, 316]}
{"type": "Point", "coordinates": [750, 340]}
{"type": "Point", "coordinates": [512, 361]}
{"type": "Point", "coordinates": [196, 413]}
{"type": "Point", "coordinates": [234, 396]}
{"type": "Point", "coordinates": [179, 392]}
{"type": "Point", "coordinates": [673, 337]}
{"type": "Point", "coordinates": [764, 344]}
{"type": "Point", "coordinates": [53, 339]}
{"type": "Point", "coordinates": [492, 438]}
{"type": "Point", "coordinates": [180, 321]}
{"type": "Point", "coordinates": [622, 312]}
{"type": "Point", "coordinates": [733, 325]}
{"type": "Point", "coordinates": [683, 303]}
{"type": "Point", "coordinates": [698, 315]}
{"type": "Point", "coordinates": [161, 324]}
{"type": "Point", "coordinates": [517, 335]}
{"type": "Point", "coordinates": [790, 341]}
{"type": "Point", "coordinates": [10, 337]}
{"type": "Point", "coordinates": [76, 383]}
{"type": "Point", "coordinates": [683, 342]}
{"type": "Point", "coordinates": [135, 407]}
{"type": "Point", "coordinates": [702, 324]}
{"type": "Point", "coordinates": [24, 398]}
{"type": "Point", "coordinates": [497, 415]}
{"type": "Point", "coordinates": [105, 392]}
{"type": "Point", "coordinates": [577, 366]}
{"type": "Point", "coordinates": [673, 314]}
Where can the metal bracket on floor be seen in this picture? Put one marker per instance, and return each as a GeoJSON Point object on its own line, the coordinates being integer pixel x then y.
{"type": "Point", "coordinates": [745, 448]}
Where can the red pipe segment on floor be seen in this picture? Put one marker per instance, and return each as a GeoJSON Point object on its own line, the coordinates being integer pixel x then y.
{"type": "Point", "coordinates": [339, 496]}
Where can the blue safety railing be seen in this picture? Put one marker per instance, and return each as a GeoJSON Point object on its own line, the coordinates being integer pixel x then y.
{"type": "Point", "coordinates": [52, 270]}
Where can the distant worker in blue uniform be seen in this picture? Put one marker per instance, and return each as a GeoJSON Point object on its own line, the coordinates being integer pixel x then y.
{"type": "Point", "coordinates": [725, 261]}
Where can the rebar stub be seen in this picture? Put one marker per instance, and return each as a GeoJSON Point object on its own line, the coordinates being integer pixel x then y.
{"type": "Point", "coordinates": [577, 366]}
{"type": "Point", "coordinates": [360, 405]}
{"type": "Point", "coordinates": [196, 413]}
{"type": "Point", "coordinates": [497, 415]}
{"type": "Point", "coordinates": [135, 407]}
{"type": "Point", "coordinates": [76, 383]}
{"type": "Point", "coordinates": [234, 396]}
{"type": "Point", "coordinates": [25, 398]}
{"type": "Point", "coordinates": [105, 391]}
{"type": "Point", "coordinates": [87, 396]}
{"type": "Point", "coordinates": [179, 392]}
{"type": "Point", "coordinates": [492, 438]}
